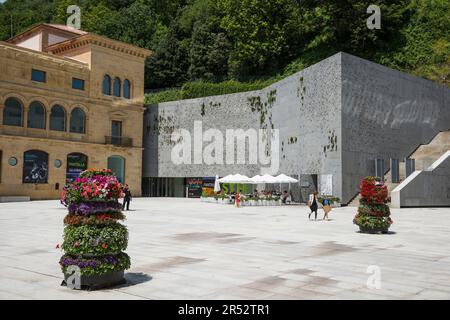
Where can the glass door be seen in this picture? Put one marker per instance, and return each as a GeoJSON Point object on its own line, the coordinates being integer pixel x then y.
{"type": "Point", "coordinates": [116, 132]}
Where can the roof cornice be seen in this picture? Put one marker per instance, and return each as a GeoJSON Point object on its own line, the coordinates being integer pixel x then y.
{"type": "Point", "coordinates": [44, 56]}
{"type": "Point", "coordinates": [93, 39]}
{"type": "Point", "coordinates": [43, 26]}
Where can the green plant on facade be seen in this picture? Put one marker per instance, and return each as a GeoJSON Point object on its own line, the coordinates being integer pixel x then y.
{"type": "Point", "coordinates": [163, 127]}
{"type": "Point", "coordinates": [263, 108]}
{"type": "Point", "coordinates": [332, 145]}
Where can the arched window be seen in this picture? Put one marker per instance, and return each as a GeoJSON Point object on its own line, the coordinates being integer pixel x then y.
{"type": "Point", "coordinates": [76, 164]}
{"type": "Point", "coordinates": [77, 121]}
{"type": "Point", "coordinates": [117, 165]}
{"type": "Point", "coordinates": [107, 85]}
{"type": "Point", "coordinates": [116, 89]}
{"type": "Point", "coordinates": [35, 166]}
{"type": "Point", "coordinates": [58, 118]}
{"type": "Point", "coordinates": [126, 89]}
{"type": "Point", "coordinates": [12, 113]}
{"type": "Point", "coordinates": [36, 115]}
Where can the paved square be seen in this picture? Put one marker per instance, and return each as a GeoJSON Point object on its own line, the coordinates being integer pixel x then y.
{"type": "Point", "coordinates": [185, 249]}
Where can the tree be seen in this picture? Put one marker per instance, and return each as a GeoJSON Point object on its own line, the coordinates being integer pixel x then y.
{"type": "Point", "coordinates": [168, 65]}
{"type": "Point", "coordinates": [208, 54]}
{"type": "Point", "coordinates": [261, 32]}
{"type": "Point", "coordinates": [17, 15]}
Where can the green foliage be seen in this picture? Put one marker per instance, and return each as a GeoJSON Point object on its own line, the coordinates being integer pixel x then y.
{"type": "Point", "coordinates": [18, 15]}
{"type": "Point", "coordinates": [95, 239]}
{"type": "Point", "coordinates": [197, 89]}
{"type": "Point", "coordinates": [264, 33]}
{"type": "Point", "coordinates": [373, 212]}
{"type": "Point", "coordinates": [202, 89]}
{"type": "Point", "coordinates": [173, 94]}
{"type": "Point", "coordinates": [98, 265]}
{"type": "Point", "coordinates": [370, 222]}
{"type": "Point", "coordinates": [242, 43]}
{"type": "Point", "coordinates": [331, 199]}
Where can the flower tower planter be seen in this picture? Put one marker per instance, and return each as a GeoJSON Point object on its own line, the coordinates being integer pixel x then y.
{"type": "Point", "coordinates": [373, 213]}
{"type": "Point", "coordinates": [94, 239]}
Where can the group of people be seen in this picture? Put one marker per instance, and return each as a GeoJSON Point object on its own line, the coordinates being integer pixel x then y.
{"type": "Point", "coordinates": [236, 196]}
{"type": "Point", "coordinates": [313, 204]}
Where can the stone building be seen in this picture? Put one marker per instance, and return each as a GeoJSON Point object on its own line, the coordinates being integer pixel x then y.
{"type": "Point", "coordinates": [69, 100]}
{"type": "Point", "coordinates": [339, 120]}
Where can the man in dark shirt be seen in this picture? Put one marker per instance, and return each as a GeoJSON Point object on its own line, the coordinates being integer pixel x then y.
{"type": "Point", "coordinates": [126, 198]}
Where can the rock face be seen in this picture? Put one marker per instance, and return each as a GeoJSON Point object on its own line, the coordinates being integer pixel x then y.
{"type": "Point", "coordinates": [94, 239]}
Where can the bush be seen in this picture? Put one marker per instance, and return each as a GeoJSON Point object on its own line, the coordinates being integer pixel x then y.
{"type": "Point", "coordinates": [373, 213]}
{"type": "Point", "coordinates": [199, 89]}
{"type": "Point", "coordinates": [94, 239]}
{"type": "Point", "coordinates": [173, 94]}
{"type": "Point", "coordinates": [96, 266]}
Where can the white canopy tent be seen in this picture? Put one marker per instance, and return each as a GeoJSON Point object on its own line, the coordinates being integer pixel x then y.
{"type": "Point", "coordinates": [235, 178]}
{"type": "Point", "coordinates": [265, 179]}
{"type": "Point", "coordinates": [282, 178]}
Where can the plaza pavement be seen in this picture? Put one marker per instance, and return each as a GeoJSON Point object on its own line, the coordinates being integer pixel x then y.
{"type": "Point", "coordinates": [185, 249]}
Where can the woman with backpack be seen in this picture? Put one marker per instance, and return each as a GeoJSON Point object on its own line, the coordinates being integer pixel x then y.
{"type": "Point", "coordinates": [326, 208]}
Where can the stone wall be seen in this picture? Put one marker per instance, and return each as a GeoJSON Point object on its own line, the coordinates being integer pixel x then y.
{"type": "Point", "coordinates": [15, 81]}
{"type": "Point", "coordinates": [335, 118]}
{"type": "Point", "coordinates": [11, 176]}
{"type": "Point", "coordinates": [305, 108]}
{"type": "Point", "coordinates": [386, 114]}
{"type": "Point", "coordinates": [427, 188]}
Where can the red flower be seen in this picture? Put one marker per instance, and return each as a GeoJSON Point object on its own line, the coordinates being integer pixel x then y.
{"type": "Point", "coordinates": [104, 246]}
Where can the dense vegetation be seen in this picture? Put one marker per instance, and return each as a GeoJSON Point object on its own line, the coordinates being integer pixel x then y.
{"type": "Point", "coordinates": [219, 46]}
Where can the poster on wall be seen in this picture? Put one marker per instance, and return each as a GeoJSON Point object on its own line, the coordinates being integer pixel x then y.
{"type": "Point", "coordinates": [194, 186]}
{"type": "Point", "coordinates": [208, 186]}
{"type": "Point", "coordinates": [76, 163]}
{"type": "Point", "coordinates": [35, 167]}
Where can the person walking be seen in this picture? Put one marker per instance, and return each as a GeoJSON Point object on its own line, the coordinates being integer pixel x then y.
{"type": "Point", "coordinates": [326, 209]}
{"type": "Point", "coordinates": [238, 199]}
{"type": "Point", "coordinates": [313, 206]}
{"type": "Point", "coordinates": [126, 198]}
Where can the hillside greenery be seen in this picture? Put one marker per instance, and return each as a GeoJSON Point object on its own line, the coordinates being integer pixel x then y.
{"type": "Point", "coordinates": [207, 47]}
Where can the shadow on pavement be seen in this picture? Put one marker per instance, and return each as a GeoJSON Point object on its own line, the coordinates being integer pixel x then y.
{"type": "Point", "coordinates": [134, 278]}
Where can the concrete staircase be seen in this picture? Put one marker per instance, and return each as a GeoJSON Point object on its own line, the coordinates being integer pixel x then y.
{"type": "Point", "coordinates": [425, 155]}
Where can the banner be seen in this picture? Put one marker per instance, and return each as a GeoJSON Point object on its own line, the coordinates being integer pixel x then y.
{"type": "Point", "coordinates": [194, 187]}
{"type": "Point", "coordinates": [76, 163]}
{"type": "Point", "coordinates": [35, 167]}
{"type": "Point", "coordinates": [208, 186]}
